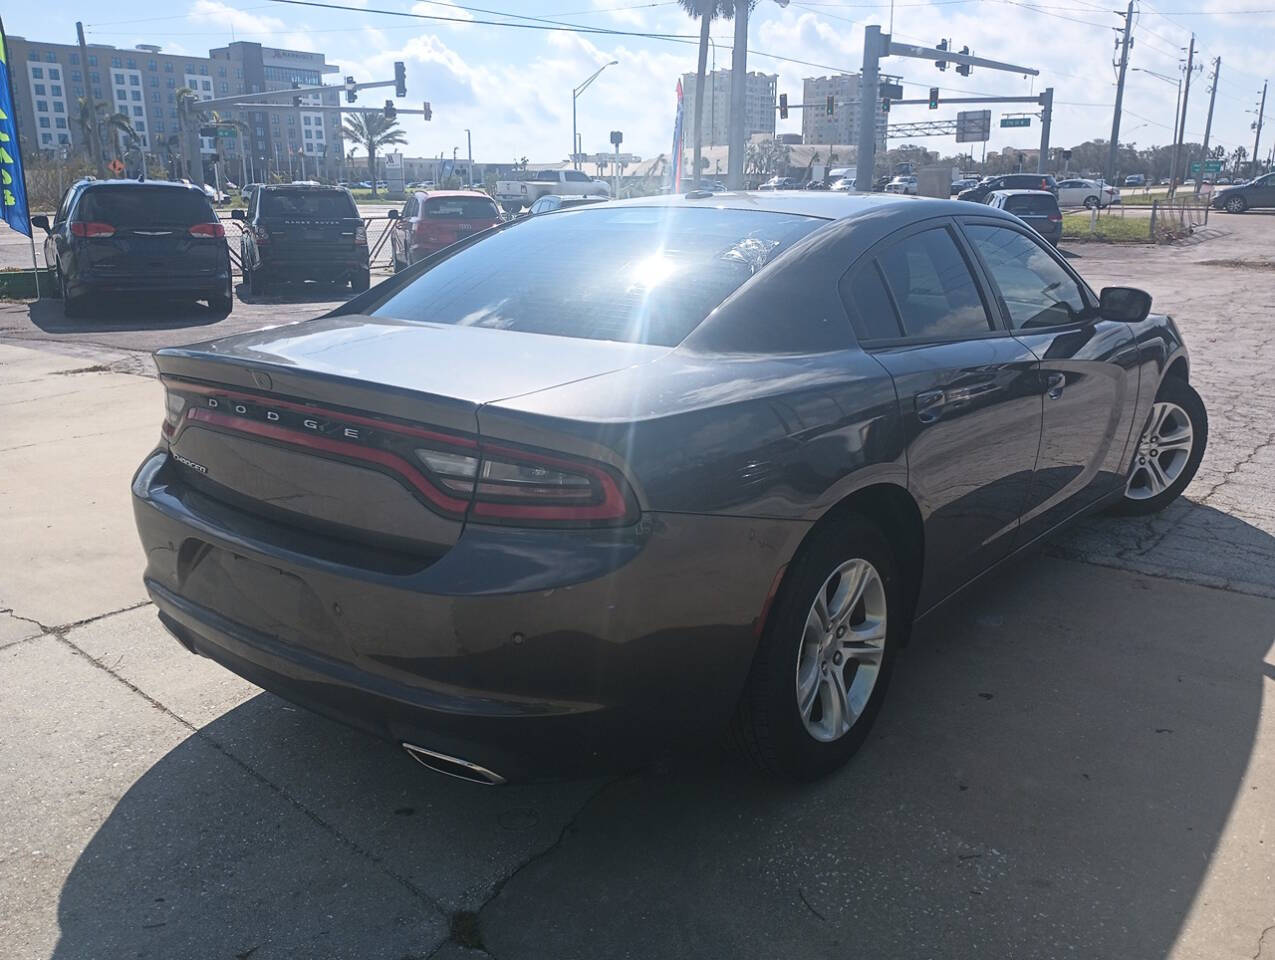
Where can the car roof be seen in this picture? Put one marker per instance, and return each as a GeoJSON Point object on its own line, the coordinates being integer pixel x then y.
{"type": "Point", "coordinates": [274, 187]}
{"type": "Point", "coordinates": [141, 184]}
{"type": "Point", "coordinates": [453, 193]}
{"type": "Point", "coordinates": [1023, 193]}
{"type": "Point", "coordinates": [827, 205]}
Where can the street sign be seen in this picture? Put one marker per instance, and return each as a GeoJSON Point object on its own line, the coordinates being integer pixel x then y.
{"type": "Point", "coordinates": [893, 91]}
{"type": "Point", "coordinates": [973, 126]}
{"type": "Point", "coordinates": [115, 167]}
{"type": "Point", "coordinates": [1210, 166]}
{"type": "Point", "coordinates": [1016, 121]}
{"type": "Point", "coordinates": [227, 132]}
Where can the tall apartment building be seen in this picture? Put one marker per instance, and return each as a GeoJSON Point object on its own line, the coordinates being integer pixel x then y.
{"type": "Point", "coordinates": [843, 126]}
{"type": "Point", "coordinates": [759, 105]}
{"type": "Point", "coordinates": [50, 80]}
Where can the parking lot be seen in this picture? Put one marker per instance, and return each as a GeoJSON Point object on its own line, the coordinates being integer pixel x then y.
{"type": "Point", "coordinates": [1077, 758]}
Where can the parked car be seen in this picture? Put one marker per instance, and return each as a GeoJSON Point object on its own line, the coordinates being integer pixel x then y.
{"type": "Point", "coordinates": [843, 185]}
{"type": "Point", "coordinates": [965, 183]}
{"type": "Point", "coordinates": [430, 221]}
{"type": "Point", "coordinates": [125, 236]}
{"type": "Point", "coordinates": [1133, 180]}
{"type": "Point", "coordinates": [905, 183]}
{"type": "Point", "coordinates": [552, 202]}
{"type": "Point", "coordinates": [513, 195]}
{"type": "Point", "coordinates": [780, 183]}
{"type": "Point", "coordinates": [1251, 195]}
{"type": "Point", "coordinates": [1222, 181]}
{"type": "Point", "coordinates": [1036, 208]}
{"type": "Point", "coordinates": [302, 232]}
{"type": "Point", "coordinates": [1009, 181]}
{"type": "Point", "coordinates": [1086, 193]}
{"type": "Point", "coordinates": [571, 497]}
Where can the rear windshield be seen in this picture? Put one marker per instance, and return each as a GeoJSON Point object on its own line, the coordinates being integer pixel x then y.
{"type": "Point", "coordinates": [461, 208]}
{"type": "Point", "coordinates": [1031, 204]}
{"type": "Point", "coordinates": [140, 206]}
{"type": "Point", "coordinates": [1026, 182]}
{"type": "Point", "coordinates": [307, 204]}
{"type": "Point", "coordinates": [634, 274]}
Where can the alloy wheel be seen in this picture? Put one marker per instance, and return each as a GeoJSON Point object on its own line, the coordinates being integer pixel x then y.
{"type": "Point", "coordinates": [842, 646]}
{"type": "Point", "coordinates": [1235, 205]}
{"type": "Point", "coordinates": [1163, 452]}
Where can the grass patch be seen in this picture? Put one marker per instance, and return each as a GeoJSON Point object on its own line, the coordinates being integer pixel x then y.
{"type": "Point", "coordinates": [1113, 229]}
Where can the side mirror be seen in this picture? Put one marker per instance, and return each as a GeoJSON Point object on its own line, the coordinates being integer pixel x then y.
{"type": "Point", "coordinates": [392, 215]}
{"type": "Point", "coordinates": [1125, 304]}
{"type": "Point", "coordinates": [41, 221]}
{"type": "Point", "coordinates": [238, 214]}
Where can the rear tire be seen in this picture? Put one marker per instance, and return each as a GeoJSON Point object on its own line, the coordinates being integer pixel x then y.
{"type": "Point", "coordinates": [799, 658]}
{"type": "Point", "coordinates": [1091, 202]}
{"type": "Point", "coordinates": [73, 308]}
{"type": "Point", "coordinates": [361, 281]}
{"type": "Point", "coordinates": [1164, 463]}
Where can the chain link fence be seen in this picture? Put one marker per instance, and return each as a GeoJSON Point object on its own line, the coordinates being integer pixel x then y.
{"type": "Point", "coordinates": [380, 252]}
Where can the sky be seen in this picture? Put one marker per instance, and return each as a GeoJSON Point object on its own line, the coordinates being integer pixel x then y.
{"type": "Point", "coordinates": [511, 86]}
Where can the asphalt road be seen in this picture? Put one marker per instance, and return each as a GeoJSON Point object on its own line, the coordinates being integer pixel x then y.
{"type": "Point", "coordinates": [1076, 759]}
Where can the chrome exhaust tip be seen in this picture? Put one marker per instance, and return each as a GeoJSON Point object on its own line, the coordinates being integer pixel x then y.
{"type": "Point", "coordinates": [453, 766]}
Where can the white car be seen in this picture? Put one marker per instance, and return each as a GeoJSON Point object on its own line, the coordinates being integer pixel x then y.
{"type": "Point", "coordinates": [902, 184]}
{"type": "Point", "coordinates": [1086, 193]}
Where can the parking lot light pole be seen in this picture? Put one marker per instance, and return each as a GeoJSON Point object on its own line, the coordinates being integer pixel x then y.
{"type": "Point", "coordinates": [575, 161]}
{"type": "Point", "coordinates": [469, 145]}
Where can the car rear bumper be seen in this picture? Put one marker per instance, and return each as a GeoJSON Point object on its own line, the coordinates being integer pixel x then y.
{"type": "Point", "coordinates": [532, 653]}
{"type": "Point", "coordinates": [315, 266]}
{"type": "Point", "coordinates": [195, 286]}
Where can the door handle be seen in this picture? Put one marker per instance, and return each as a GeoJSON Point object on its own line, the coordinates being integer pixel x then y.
{"type": "Point", "coordinates": [929, 405]}
{"type": "Point", "coordinates": [1054, 384]}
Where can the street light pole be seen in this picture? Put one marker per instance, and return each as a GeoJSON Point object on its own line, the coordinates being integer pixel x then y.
{"type": "Point", "coordinates": [575, 137]}
{"type": "Point", "coordinates": [469, 143]}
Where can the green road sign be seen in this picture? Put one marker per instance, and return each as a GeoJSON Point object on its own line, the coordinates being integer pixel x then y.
{"type": "Point", "coordinates": [1016, 121]}
{"type": "Point", "coordinates": [1212, 166]}
{"type": "Point", "coordinates": [227, 132]}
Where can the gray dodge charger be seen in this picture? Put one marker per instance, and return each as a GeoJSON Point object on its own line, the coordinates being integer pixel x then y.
{"type": "Point", "coordinates": [592, 486]}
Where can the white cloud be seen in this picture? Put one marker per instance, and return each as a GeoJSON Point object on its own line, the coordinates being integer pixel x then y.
{"type": "Point", "coordinates": [217, 14]}
{"type": "Point", "coordinates": [443, 8]}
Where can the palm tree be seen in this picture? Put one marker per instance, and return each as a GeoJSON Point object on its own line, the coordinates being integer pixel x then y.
{"type": "Point", "coordinates": [707, 11]}
{"type": "Point", "coordinates": [371, 131]}
{"type": "Point", "coordinates": [111, 126]}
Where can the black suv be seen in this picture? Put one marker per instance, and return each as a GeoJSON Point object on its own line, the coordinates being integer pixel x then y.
{"type": "Point", "coordinates": [128, 236]}
{"type": "Point", "coordinates": [1009, 181]}
{"type": "Point", "coordinates": [302, 232]}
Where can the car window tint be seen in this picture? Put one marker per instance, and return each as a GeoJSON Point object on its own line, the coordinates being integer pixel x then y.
{"type": "Point", "coordinates": [307, 204]}
{"type": "Point", "coordinates": [1031, 204]}
{"type": "Point", "coordinates": [868, 303]}
{"type": "Point", "coordinates": [144, 206]}
{"type": "Point", "coordinates": [1035, 287]}
{"type": "Point", "coordinates": [460, 208]}
{"type": "Point", "coordinates": [933, 286]}
{"type": "Point", "coordinates": [636, 274]}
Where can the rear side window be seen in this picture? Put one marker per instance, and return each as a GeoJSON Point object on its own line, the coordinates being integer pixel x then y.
{"type": "Point", "coordinates": [307, 204]}
{"type": "Point", "coordinates": [460, 208]}
{"type": "Point", "coordinates": [868, 302]}
{"type": "Point", "coordinates": [933, 286]}
{"type": "Point", "coordinates": [634, 274]}
{"type": "Point", "coordinates": [577, 177]}
{"type": "Point", "coordinates": [1037, 205]}
{"type": "Point", "coordinates": [124, 207]}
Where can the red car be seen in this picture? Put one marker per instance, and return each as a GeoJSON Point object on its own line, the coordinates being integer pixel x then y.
{"type": "Point", "coordinates": [430, 221]}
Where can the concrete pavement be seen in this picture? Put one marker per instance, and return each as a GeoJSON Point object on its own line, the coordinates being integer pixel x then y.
{"type": "Point", "coordinates": [1076, 759]}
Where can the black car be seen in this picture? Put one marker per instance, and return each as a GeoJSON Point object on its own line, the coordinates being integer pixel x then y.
{"type": "Point", "coordinates": [1009, 181]}
{"type": "Point", "coordinates": [613, 481]}
{"type": "Point", "coordinates": [133, 237]}
{"type": "Point", "coordinates": [1255, 194]}
{"type": "Point", "coordinates": [301, 231]}
{"type": "Point", "coordinates": [1036, 208]}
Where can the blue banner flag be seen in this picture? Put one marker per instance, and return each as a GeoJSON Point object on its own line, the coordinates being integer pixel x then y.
{"type": "Point", "coordinates": [13, 187]}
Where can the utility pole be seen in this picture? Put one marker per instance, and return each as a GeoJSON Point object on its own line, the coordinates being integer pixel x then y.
{"type": "Point", "coordinates": [469, 145]}
{"type": "Point", "coordinates": [873, 50]}
{"type": "Point", "coordinates": [1114, 148]}
{"type": "Point", "coordinates": [1258, 139]}
{"type": "Point", "coordinates": [1178, 144]}
{"type": "Point", "coordinates": [737, 126]}
{"type": "Point", "coordinates": [1208, 124]}
{"type": "Point", "coordinates": [94, 133]}
{"type": "Point", "coordinates": [1046, 115]}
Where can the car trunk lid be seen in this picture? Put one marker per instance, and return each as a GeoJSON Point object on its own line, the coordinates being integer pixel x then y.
{"type": "Point", "coordinates": [132, 230]}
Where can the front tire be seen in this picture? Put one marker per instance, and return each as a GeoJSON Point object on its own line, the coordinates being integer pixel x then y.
{"type": "Point", "coordinates": [824, 661]}
{"type": "Point", "coordinates": [1091, 202]}
{"type": "Point", "coordinates": [1235, 205]}
{"type": "Point", "coordinates": [1169, 450]}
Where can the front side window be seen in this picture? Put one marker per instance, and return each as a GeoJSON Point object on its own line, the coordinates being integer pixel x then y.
{"type": "Point", "coordinates": [933, 287]}
{"type": "Point", "coordinates": [1036, 289]}
{"type": "Point", "coordinates": [629, 274]}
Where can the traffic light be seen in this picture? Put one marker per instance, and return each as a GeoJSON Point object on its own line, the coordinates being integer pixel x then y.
{"type": "Point", "coordinates": [941, 64]}
{"type": "Point", "coordinates": [429, 114]}
{"type": "Point", "coordinates": [934, 98]}
{"type": "Point", "coordinates": [350, 93]}
{"type": "Point", "coordinates": [400, 79]}
{"type": "Point", "coordinates": [783, 106]}
{"type": "Point", "coordinates": [296, 101]}
{"type": "Point", "coordinates": [963, 68]}
{"type": "Point", "coordinates": [390, 112]}
{"type": "Point", "coordinates": [829, 104]}
{"type": "Point", "coordinates": [885, 104]}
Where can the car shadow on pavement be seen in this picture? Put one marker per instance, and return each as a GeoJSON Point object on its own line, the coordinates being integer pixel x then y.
{"type": "Point", "coordinates": [123, 313]}
{"type": "Point", "coordinates": [1050, 776]}
{"type": "Point", "coordinates": [310, 291]}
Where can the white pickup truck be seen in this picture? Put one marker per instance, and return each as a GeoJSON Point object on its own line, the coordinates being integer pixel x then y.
{"type": "Point", "coordinates": [513, 195]}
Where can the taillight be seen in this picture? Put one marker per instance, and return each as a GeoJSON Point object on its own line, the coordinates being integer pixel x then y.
{"type": "Point", "coordinates": [518, 487]}
{"type": "Point", "coordinates": [174, 406]}
{"type": "Point", "coordinates": [207, 230]}
{"type": "Point", "coordinates": [91, 228]}
{"type": "Point", "coordinates": [360, 235]}
{"type": "Point", "coordinates": [261, 234]}
{"type": "Point", "coordinates": [1055, 218]}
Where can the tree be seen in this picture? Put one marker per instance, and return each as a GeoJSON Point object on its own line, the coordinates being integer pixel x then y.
{"type": "Point", "coordinates": [189, 116]}
{"type": "Point", "coordinates": [707, 11]}
{"type": "Point", "coordinates": [372, 131]}
{"type": "Point", "coordinates": [1238, 156]}
{"type": "Point", "coordinates": [111, 126]}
